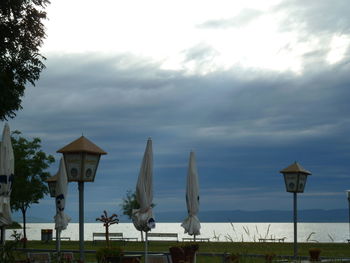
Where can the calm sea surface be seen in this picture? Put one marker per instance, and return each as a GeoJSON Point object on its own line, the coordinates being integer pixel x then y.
{"type": "Point", "coordinates": [312, 232]}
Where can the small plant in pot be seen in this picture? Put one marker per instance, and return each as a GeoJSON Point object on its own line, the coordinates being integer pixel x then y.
{"type": "Point", "coordinates": [314, 254]}
{"type": "Point", "coordinates": [269, 257]}
{"type": "Point", "coordinates": [190, 251]}
{"type": "Point", "coordinates": [232, 258]}
{"type": "Point", "coordinates": [109, 255]}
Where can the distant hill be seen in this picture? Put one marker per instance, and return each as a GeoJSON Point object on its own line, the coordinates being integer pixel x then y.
{"type": "Point", "coordinates": [32, 219]}
{"type": "Point", "coordinates": [310, 215]}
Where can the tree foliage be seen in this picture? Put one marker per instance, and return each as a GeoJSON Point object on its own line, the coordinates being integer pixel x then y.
{"type": "Point", "coordinates": [30, 174]}
{"type": "Point", "coordinates": [21, 35]}
{"type": "Point", "coordinates": [129, 203]}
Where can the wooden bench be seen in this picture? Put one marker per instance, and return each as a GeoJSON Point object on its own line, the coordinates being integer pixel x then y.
{"type": "Point", "coordinates": [272, 239]}
{"type": "Point", "coordinates": [112, 236]}
{"type": "Point", "coordinates": [62, 238]}
{"type": "Point", "coordinates": [199, 239]}
{"type": "Point", "coordinates": [173, 236]}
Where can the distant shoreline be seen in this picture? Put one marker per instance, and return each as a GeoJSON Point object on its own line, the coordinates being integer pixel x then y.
{"type": "Point", "coordinates": [234, 216]}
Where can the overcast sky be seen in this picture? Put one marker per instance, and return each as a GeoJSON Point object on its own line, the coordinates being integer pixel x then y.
{"type": "Point", "coordinates": [250, 86]}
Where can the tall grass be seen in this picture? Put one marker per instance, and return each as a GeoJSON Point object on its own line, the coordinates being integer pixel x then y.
{"type": "Point", "coordinates": [332, 250]}
{"type": "Point", "coordinates": [247, 234]}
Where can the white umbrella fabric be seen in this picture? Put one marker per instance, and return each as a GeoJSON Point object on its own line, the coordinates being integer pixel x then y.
{"type": "Point", "coordinates": [61, 219]}
{"type": "Point", "coordinates": [143, 217]}
{"type": "Point", "coordinates": [7, 168]}
{"type": "Point", "coordinates": [191, 224]}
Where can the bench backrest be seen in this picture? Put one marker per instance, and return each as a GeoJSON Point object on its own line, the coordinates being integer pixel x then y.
{"type": "Point", "coordinates": [162, 235]}
{"type": "Point", "coordinates": [110, 234]}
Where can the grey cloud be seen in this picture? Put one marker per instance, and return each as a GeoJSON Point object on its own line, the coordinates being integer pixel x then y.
{"type": "Point", "coordinates": [244, 17]}
{"type": "Point", "coordinates": [316, 17]}
{"type": "Point", "coordinates": [200, 53]}
{"type": "Point", "coordinates": [244, 125]}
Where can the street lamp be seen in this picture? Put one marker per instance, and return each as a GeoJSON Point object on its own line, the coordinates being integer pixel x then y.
{"type": "Point", "coordinates": [295, 179]}
{"type": "Point", "coordinates": [348, 194]}
{"type": "Point", "coordinates": [81, 158]}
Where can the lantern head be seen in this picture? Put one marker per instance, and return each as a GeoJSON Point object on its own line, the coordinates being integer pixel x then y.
{"type": "Point", "coordinates": [295, 178]}
{"type": "Point", "coordinates": [81, 159]}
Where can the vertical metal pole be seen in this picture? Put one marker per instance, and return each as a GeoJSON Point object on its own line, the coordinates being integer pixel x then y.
{"type": "Point", "coordinates": [58, 245]}
{"type": "Point", "coordinates": [349, 217]}
{"type": "Point", "coordinates": [146, 248]}
{"type": "Point", "coordinates": [3, 233]}
{"type": "Point", "coordinates": [81, 220]}
{"type": "Point", "coordinates": [295, 225]}
{"type": "Point", "coordinates": [57, 237]}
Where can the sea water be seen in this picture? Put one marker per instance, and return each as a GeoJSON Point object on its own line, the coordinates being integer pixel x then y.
{"type": "Point", "coordinates": [235, 232]}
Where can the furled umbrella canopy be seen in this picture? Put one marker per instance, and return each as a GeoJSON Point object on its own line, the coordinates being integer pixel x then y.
{"type": "Point", "coordinates": [143, 217]}
{"type": "Point", "coordinates": [7, 167]}
{"type": "Point", "coordinates": [61, 219]}
{"type": "Point", "coordinates": [191, 224]}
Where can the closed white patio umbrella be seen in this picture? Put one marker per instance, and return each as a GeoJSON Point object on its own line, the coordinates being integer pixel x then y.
{"type": "Point", "coordinates": [7, 168]}
{"type": "Point", "coordinates": [191, 224]}
{"type": "Point", "coordinates": [143, 217]}
{"type": "Point", "coordinates": [61, 219]}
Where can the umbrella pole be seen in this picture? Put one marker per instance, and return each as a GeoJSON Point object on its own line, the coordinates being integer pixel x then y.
{"type": "Point", "coordinates": [195, 253]}
{"type": "Point", "coordinates": [146, 248]}
{"type": "Point", "coordinates": [3, 234]}
{"type": "Point", "coordinates": [58, 244]}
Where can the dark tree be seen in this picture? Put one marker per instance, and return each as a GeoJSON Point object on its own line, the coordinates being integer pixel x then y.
{"type": "Point", "coordinates": [21, 35]}
{"type": "Point", "coordinates": [129, 203]}
{"type": "Point", "coordinates": [30, 174]}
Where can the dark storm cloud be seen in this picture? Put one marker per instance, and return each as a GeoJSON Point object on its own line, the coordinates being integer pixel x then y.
{"type": "Point", "coordinates": [244, 125]}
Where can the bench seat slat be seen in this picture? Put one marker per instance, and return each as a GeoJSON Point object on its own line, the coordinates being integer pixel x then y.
{"type": "Point", "coordinates": [112, 236]}
{"type": "Point", "coordinates": [167, 235]}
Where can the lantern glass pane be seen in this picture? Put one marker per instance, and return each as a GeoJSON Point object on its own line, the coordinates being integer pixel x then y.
{"type": "Point", "coordinates": [52, 188]}
{"type": "Point", "coordinates": [73, 166]}
{"type": "Point", "coordinates": [90, 167]}
{"type": "Point", "coordinates": [301, 183]}
{"type": "Point", "coordinates": [291, 180]}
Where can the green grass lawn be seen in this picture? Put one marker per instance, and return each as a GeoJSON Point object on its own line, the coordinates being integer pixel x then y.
{"type": "Point", "coordinates": [331, 250]}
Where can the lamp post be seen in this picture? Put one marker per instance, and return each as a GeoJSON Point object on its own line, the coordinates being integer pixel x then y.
{"type": "Point", "coordinates": [81, 158]}
{"type": "Point", "coordinates": [348, 195]}
{"type": "Point", "coordinates": [51, 182]}
{"type": "Point", "coordinates": [295, 179]}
